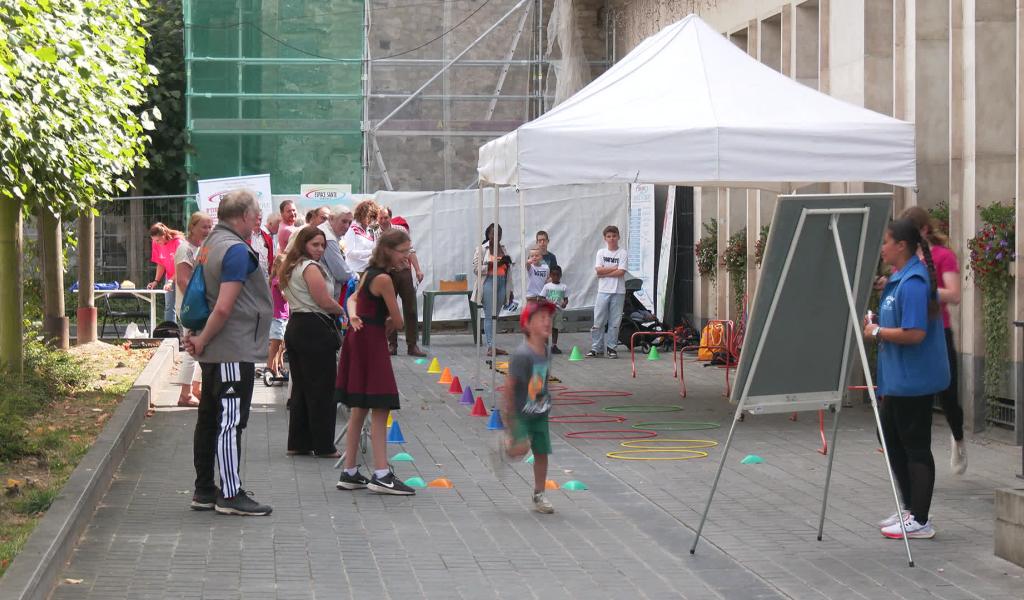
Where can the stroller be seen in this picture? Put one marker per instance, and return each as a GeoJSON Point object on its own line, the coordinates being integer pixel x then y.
{"type": "Point", "coordinates": [636, 317]}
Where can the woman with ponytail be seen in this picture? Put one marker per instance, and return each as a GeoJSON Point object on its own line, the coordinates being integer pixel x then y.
{"type": "Point", "coordinates": [947, 279]}
{"type": "Point", "coordinates": [165, 244]}
{"type": "Point", "coordinates": [912, 368]}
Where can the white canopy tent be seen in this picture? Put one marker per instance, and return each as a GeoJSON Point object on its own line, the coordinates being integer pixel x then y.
{"type": "Point", "coordinates": [687, 106]}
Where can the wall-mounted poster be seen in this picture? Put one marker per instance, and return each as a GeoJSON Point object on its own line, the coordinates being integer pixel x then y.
{"type": "Point", "coordinates": [212, 190]}
{"type": "Point", "coordinates": [667, 228]}
{"type": "Point", "coordinates": [640, 250]}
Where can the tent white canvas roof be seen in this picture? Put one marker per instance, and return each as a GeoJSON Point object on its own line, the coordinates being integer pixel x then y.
{"type": "Point", "coordinates": [687, 106]}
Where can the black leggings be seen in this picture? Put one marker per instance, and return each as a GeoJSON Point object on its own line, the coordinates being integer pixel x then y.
{"type": "Point", "coordinates": [907, 427]}
{"type": "Point", "coordinates": [949, 398]}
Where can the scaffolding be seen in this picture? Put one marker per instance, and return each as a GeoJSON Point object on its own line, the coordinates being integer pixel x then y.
{"type": "Point", "coordinates": [382, 94]}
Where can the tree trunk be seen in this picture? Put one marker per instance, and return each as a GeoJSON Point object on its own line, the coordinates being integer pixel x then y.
{"type": "Point", "coordinates": [55, 323]}
{"type": "Point", "coordinates": [86, 277]}
{"type": "Point", "coordinates": [11, 358]}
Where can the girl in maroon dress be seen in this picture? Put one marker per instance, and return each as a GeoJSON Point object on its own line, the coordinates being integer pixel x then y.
{"type": "Point", "coordinates": [366, 383]}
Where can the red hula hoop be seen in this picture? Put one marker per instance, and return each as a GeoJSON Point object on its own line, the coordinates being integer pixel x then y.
{"type": "Point", "coordinates": [586, 418]}
{"type": "Point", "coordinates": [593, 394]}
{"type": "Point", "coordinates": [623, 434]}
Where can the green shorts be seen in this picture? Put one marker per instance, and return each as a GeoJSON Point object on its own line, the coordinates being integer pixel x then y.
{"type": "Point", "coordinates": [536, 429]}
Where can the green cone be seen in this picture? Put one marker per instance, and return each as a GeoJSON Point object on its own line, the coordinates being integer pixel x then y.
{"type": "Point", "coordinates": [529, 459]}
{"type": "Point", "coordinates": [751, 459]}
{"type": "Point", "coordinates": [416, 482]}
{"type": "Point", "coordinates": [653, 354]}
{"type": "Point", "coordinates": [402, 457]}
{"type": "Point", "coordinates": [574, 485]}
{"type": "Point", "coordinates": [575, 355]}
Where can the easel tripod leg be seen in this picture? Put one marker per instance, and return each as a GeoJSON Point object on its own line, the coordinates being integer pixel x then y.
{"type": "Point", "coordinates": [828, 473]}
{"type": "Point", "coordinates": [718, 475]}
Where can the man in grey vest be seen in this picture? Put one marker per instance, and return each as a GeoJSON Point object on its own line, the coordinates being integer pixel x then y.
{"type": "Point", "coordinates": [234, 339]}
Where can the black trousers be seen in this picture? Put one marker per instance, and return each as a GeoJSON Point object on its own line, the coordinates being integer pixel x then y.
{"type": "Point", "coordinates": [405, 286]}
{"type": "Point", "coordinates": [949, 398]}
{"type": "Point", "coordinates": [223, 414]}
{"type": "Point", "coordinates": [907, 427]}
{"type": "Point", "coordinates": [312, 343]}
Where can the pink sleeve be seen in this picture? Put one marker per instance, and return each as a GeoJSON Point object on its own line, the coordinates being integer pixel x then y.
{"type": "Point", "coordinates": [945, 261]}
{"type": "Point", "coordinates": [156, 253]}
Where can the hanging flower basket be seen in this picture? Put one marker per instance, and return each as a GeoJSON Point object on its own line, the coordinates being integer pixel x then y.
{"type": "Point", "coordinates": [992, 254]}
{"type": "Point", "coordinates": [706, 251]}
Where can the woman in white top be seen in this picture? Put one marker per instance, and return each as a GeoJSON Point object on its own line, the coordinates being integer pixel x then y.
{"type": "Point", "coordinates": [359, 242]}
{"type": "Point", "coordinates": [199, 226]}
{"type": "Point", "coordinates": [311, 339]}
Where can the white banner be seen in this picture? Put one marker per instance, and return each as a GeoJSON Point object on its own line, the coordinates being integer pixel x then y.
{"type": "Point", "coordinates": [640, 263]}
{"type": "Point", "coordinates": [212, 190]}
{"type": "Point", "coordinates": [445, 232]}
{"type": "Point", "coordinates": [666, 251]}
{"type": "Point", "coordinates": [327, 194]}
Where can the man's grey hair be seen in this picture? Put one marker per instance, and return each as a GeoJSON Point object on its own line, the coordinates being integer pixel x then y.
{"type": "Point", "coordinates": [235, 204]}
{"type": "Point", "coordinates": [339, 210]}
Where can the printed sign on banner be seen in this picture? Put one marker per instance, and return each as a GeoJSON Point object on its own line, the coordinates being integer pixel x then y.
{"type": "Point", "coordinates": [212, 190]}
{"type": "Point", "coordinates": [666, 250]}
{"type": "Point", "coordinates": [640, 261]}
{"type": "Point", "coordinates": [315, 195]}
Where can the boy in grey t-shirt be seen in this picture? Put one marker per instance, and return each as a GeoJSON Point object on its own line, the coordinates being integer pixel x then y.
{"type": "Point", "coordinates": [527, 400]}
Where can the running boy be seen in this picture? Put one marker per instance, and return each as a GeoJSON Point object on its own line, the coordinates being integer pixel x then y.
{"type": "Point", "coordinates": [536, 275]}
{"type": "Point", "coordinates": [527, 401]}
{"type": "Point", "coordinates": [611, 294]}
{"type": "Point", "coordinates": [556, 293]}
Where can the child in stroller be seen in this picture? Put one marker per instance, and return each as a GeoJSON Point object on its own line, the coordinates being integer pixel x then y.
{"type": "Point", "coordinates": [636, 317]}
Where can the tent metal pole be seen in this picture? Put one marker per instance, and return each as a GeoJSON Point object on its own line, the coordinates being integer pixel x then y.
{"type": "Point", "coordinates": [522, 245]}
{"type": "Point", "coordinates": [477, 384]}
{"type": "Point", "coordinates": [495, 309]}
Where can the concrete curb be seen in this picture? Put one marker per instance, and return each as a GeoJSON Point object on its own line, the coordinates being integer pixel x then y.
{"type": "Point", "coordinates": [34, 571]}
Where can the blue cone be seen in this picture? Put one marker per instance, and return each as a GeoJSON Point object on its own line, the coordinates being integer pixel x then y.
{"type": "Point", "coordinates": [495, 421]}
{"type": "Point", "coordinates": [395, 433]}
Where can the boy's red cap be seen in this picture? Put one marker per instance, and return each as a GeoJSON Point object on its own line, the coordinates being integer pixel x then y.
{"type": "Point", "coordinates": [400, 222]}
{"type": "Point", "coordinates": [532, 308]}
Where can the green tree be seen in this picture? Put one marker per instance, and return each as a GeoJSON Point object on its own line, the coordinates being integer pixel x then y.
{"type": "Point", "coordinates": [73, 77]}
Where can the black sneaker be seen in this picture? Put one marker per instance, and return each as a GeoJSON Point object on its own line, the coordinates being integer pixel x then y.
{"type": "Point", "coordinates": [593, 354]}
{"type": "Point", "coordinates": [204, 500]}
{"type": "Point", "coordinates": [389, 484]}
{"type": "Point", "coordinates": [241, 504]}
{"type": "Point", "coordinates": [556, 350]}
{"type": "Point", "coordinates": [352, 482]}
{"type": "Point", "coordinates": [611, 353]}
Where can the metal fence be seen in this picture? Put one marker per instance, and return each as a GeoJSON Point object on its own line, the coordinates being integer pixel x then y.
{"type": "Point", "coordinates": [123, 247]}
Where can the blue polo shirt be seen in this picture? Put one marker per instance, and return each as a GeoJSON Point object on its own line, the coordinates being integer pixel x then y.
{"type": "Point", "coordinates": [919, 369]}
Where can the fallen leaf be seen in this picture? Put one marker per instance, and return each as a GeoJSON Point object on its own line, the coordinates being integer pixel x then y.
{"type": "Point", "coordinates": [96, 409]}
{"type": "Point", "coordinates": [73, 581]}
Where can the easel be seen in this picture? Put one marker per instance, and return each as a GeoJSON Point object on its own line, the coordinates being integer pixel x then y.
{"type": "Point", "coordinates": [821, 403]}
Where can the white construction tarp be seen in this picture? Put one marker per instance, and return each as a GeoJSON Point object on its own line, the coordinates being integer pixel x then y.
{"type": "Point", "coordinates": [687, 106]}
{"type": "Point", "coordinates": [445, 231]}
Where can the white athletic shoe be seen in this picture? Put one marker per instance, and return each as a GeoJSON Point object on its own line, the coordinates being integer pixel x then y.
{"type": "Point", "coordinates": [894, 519]}
{"type": "Point", "coordinates": [914, 530]}
{"type": "Point", "coordinates": [958, 456]}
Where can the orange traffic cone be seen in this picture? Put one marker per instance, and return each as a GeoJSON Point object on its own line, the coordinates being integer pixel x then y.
{"type": "Point", "coordinates": [446, 376]}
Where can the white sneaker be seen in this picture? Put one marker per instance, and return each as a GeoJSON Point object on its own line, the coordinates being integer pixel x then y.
{"type": "Point", "coordinates": [958, 456]}
{"type": "Point", "coordinates": [914, 530]}
{"type": "Point", "coordinates": [542, 505]}
{"type": "Point", "coordinates": [894, 519]}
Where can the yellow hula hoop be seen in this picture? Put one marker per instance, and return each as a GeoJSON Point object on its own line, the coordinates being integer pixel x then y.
{"type": "Point", "coordinates": [680, 454]}
{"type": "Point", "coordinates": [660, 444]}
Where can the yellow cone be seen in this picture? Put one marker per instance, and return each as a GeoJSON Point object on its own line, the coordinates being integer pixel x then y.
{"type": "Point", "coordinates": [435, 367]}
{"type": "Point", "coordinates": [390, 418]}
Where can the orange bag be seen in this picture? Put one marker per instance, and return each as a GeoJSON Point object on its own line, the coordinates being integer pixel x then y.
{"type": "Point", "coordinates": [712, 338]}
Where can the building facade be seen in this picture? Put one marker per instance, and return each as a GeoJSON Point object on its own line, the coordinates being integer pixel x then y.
{"type": "Point", "coordinates": [953, 67]}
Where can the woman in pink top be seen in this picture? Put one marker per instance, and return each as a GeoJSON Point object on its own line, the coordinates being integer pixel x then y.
{"type": "Point", "coordinates": [275, 357]}
{"type": "Point", "coordinates": [165, 244]}
{"type": "Point", "coordinates": [948, 274]}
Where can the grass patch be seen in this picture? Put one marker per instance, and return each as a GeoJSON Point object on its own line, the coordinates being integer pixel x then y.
{"type": "Point", "coordinates": [49, 419]}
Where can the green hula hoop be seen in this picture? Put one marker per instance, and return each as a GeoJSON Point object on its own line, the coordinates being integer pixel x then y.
{"type": "Point", "coordinates": [643, 408]}
{"type": "Point", "coordinates": [675, 425]}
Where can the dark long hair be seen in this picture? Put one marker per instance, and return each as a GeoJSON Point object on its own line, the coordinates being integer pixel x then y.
{"type": "Point", "coordinates": [497, 241]}
{"type": "Point", "coordinates": [297, 253]}
{"type": "Point", "coordinates": [905, 230]}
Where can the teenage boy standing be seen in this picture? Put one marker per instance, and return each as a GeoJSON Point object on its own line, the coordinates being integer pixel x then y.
{"type": "Point", "coordinates": [610, 266]}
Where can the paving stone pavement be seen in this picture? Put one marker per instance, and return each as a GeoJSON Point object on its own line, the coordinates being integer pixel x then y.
{"type": "Point", "coordinates": [628, 536]}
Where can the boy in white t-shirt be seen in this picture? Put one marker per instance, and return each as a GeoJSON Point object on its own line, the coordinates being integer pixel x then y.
{"type": "Point", "coordinates": [556, 293]}
{"type": "Point", "coordinates": [610, 265]}
{"type": "Point", "coordinates": [536, 274]}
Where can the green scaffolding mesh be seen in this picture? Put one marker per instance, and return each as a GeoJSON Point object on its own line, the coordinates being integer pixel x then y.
{"type": "Point", "coordinates": [275, 87]}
